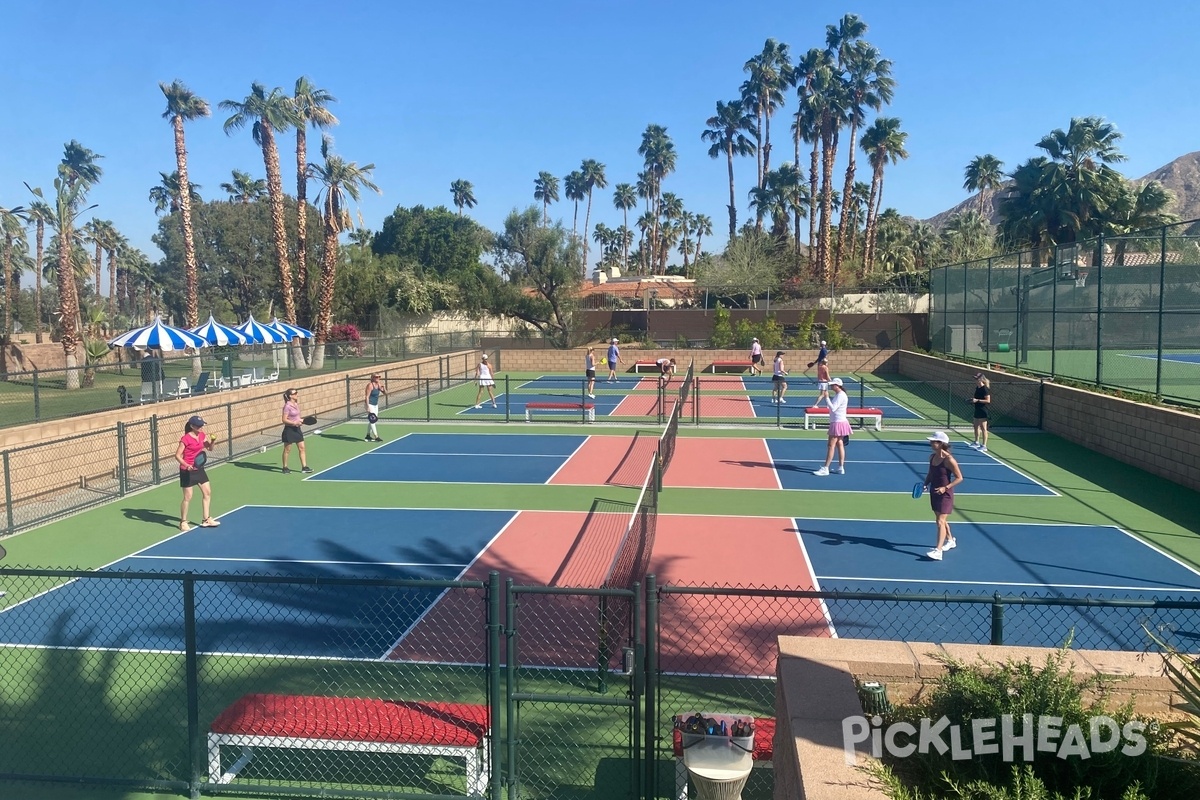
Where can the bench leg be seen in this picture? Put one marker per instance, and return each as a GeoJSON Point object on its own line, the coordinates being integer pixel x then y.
{"type": "Point", "coordinates": [681, 780]}
{"type": "Point", "coordinates": [214, 760]}
{"type": "Point", "coordinates": [527, 415]}
{"type": "Point", "coordinates": [591, 415]}
{"type": "Point", "coordinates": [879, 423]}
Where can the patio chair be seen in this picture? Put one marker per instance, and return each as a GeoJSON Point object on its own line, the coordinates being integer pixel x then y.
{"type": "Point", "coordinates": [181, 390]}
{"type": "Point", "coordinates": [148, 394]}
{"type": "Point", "coordinates": [201, 385]}
{"type": "Point", "coordinates": [259, 375]}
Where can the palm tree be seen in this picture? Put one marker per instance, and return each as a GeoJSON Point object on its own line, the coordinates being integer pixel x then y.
{"type": "Point", "coordinates": [659, 157]}
{"type": "Point", "coordinates": [883, 142]}
{"type": "Point", "coordinates": [625, 198]}
{"type": "Point", "coordinates": [985, 174]}
{"type": "Point", "coordinates": [77, 174]}
{"type": "Point", "coordinates": [12, 228]}
{"type": "Point", "coordinates": [770, 74]}
{"type": "Point", "coordinates": [267, 114]}
{"type": "Point", "coordinates": [340, 180]}
{"type": "Point", "coordinates": [115, 245]}
{"type": "Point", "coordinates": [95, 232]}
{"type": "Point", "coordinates": [860, 195]}
{"type": "Point", "coordinates": [703, 227]}
{"type": "Point", "coordinates": [464, 195]}
{"type": "Point", "coordinates": [645, 224]}
{"type": "Point", "coordinates": [726, 132]}
{"type": "Point", "coordinates": [573, 188]}
{"type": "Point", "coordinates": [184, 106]}
{"type": "Point", "coordinates": [309, 103]}
{"type": "Point", "coordinates": [810, 75]}
{"type": "Point", "coordinates": [545, 189]}
{"type": "Point", "coordinates": [671, 210]}
{"type": "Point", "coordinates": [1136, 209]}
{"type": "Point", "coordinates": [166, 197]}
{"type": "Point", "coordinates": [869, 85]}
{"type": "Point", "coordinates": [593, 176]}
{"type": "Point", "coordinates": [40, 213]}
{"type": "Point", "coordinates": [605, 237]}
{"type": "Point", "coordinates": [245, 189]}
{"type": "Point", "coordinates": [924, 243]}
{"type": "Point", "coordinates": [1081, 182]}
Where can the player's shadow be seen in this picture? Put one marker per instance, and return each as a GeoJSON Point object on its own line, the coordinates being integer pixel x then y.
{"type": "Point", "coordinates": [781, 466]}
{"type": "Point", "coordinates": [150, 515]}
{"type": "Point", "coordinates": [834, 539]}
{"type": "Point", "coordinates": [342, 437]}
{"type": "Point", "coordinates": [259, 467]}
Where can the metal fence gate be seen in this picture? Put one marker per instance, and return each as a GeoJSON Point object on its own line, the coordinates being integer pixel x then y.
{"type": "Point", "coordinates": [575, 682]}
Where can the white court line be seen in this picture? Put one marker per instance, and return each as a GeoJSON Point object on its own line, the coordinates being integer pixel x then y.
{"type": "Point", "coordinates": [1013, 583]}
{"type": "Point", "coordinates": [922, 463]}
{"type": "Point", "coordinates": [565, 461]}
{"type": "Point", "coordinates": [816, 581]}
{"type": "Point", "coordinates": [472, 455]}
{"type": "Point", "coordinates": [778, 477]}
{"type": "Point", "coordinates": [298, 561]}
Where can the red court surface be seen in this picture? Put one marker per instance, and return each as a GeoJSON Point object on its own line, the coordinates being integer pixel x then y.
{"type": "Point", "coordinates": [734, 406]}
{"type": "Point", "coordinates": [703, 634]}
{"type": "Point", "coordinates": [644, 405]}
{"type": "Point", "coordinates": [721, 464]}
{"type": "Point", "coordinates": [615, 460]}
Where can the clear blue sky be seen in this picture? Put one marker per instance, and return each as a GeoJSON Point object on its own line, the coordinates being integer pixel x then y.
{"type": "Point", "coordinates": [494, 92]}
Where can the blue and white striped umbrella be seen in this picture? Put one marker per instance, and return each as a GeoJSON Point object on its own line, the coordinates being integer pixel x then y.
{"type": "Point", "coordinates": [159, 336]}
{"type": "Point", "coordinates": [261, 334]}
{"type": "Point", "coordinates": [215, 333]}
{"type": "Point", "coordinates": [293, 331]}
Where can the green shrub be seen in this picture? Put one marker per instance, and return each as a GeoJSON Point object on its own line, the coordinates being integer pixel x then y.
{"type": "Point", "coordinates": [681, 342]}
{"type": "Point", "coordinates": [990, 691]}
{"type": "Point", "coordinates": [743, 333]}
{"type": "Point", "coordinates": [770, 333]}
{"type": "Point", "coordinates": [722, 332]}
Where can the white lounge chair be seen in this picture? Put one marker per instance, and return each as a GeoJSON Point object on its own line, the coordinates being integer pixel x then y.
{"type": "Point", "coordinates": [184, 389]}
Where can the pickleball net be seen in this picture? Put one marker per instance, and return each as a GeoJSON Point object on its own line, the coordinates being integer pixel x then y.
{"type": "Point", "coordinates": [666, 442]}
{"type": "Point", "coordinates": [632, 558]}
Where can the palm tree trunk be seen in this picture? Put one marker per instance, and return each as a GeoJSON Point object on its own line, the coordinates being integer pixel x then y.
{"type": "Point", "coordinates": [8, 289]}
{"type": "Point", "coordinates": [732, 196]}
{"type": "Point", "coordinates": [766, 148]}
{"type": "Point", "coordinates": [758, 150]}
{"type": "Point", "coordinates": [279, 231]}
{"type": "Point", "coordinates": [847, 188]}
{"type": "Point", "coordinates": [546, 212]}
{"type": "Point", "coordinates": [872, 217]}
{"type": "Point", "coordinates": [587, 220]}
{"type": "Point", "coordinates": [813, 199]}
{"type": "Point", "coordinates": [325, 295]}
{"type": "Point", "coordinates": [303, 304]}
{"type": "Point", "coordinates": [827, 154]}
{"type": "Point", "coordinates": [99, 262]}
{"type": "Point", "coordinates": [68, 305]}
{"type": "Point", "coordinates": [191, 301]}
{"type": "Point", "coordinates": [625, 242]}
{"type": "Point", "coordinates": [112, 283]}
{"type": "Point", "coordinates": [37, 283]}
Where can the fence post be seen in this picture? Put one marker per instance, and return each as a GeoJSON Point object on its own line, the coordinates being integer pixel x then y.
{"type": "Point", "coordinates": [122, 461]}
{"type": "Point", "coordinates": [347, 397]}
{"type": "Point", "coordinates": [997, 620]}
{"type": "Point", "coordinates": [1162, 295]}
{"type": "Point", "coordinates": [8, 498]}
{"type": "Point", "coordinates": [1100, 312]}
{"type": "Point", "coordinates": [507, 398]}
{"type": "Point", "coordinates": [430, 335]}
{"type": "Point", "coordinates": [191, 680]}
{"type": "Point", "coordinates": [37, 402]}
{"type": "Point", "coordinates": [229, 431]}
{"type": "Point", "coordinates": [428, 402]}
{"type": "Point", "coordinates": [494, 627]}
{"type": "Point", "coordinates": [1041, 402]}
{"type": "Point", "coordinates": [651, 695]}
{"type": "Point", "coordinates": [510, 681]}
{"type": "Point", "coordinates": [949, 400]}
{"type": "Point", "coordinates": [155, 467]}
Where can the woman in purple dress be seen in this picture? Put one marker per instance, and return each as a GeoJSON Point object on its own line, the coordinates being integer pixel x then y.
{"type": "Point", "coordinates": [944, 474]}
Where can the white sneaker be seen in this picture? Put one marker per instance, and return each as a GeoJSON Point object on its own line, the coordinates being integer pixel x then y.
{"type": "Point", "coordinates": [783, 401]}
{"type": "Point", "coordinates": [982, 449]}
{"type": "Point", "coordinates": [592, 396]}
{"type": "Point", "coordinates": [478, 406]}
{"type": "Point", "coordinates": [950, 544]}
{"type": "Point", "coordinates": [973, 444]}
{"type": "Point", "coordinates": [839, 470]}
{"type": "Point", "coordinates": [494, 405]}
{"type": "Point", "coordinates": [936, 555]}
{"type": "Point", "coordinates": [822, 472]}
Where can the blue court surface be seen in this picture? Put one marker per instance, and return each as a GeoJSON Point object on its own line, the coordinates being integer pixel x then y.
{"type": "Point", "coordinates": [807, 382]}
{"type": "Point", "coordinates": [577, 384]}
{"type": "Point", "coordinates": [1100, 562]}
{"type": "Point", "coordinates": [268, 618]}
{"type": "Point", "coordinates": [873, 465]}
{"type": "Point", "coordinates": [605, 404]}
{"type": "Point", "coordinates": [460, 458]}
{"type": "Point", "coordinates": [1178, 358]}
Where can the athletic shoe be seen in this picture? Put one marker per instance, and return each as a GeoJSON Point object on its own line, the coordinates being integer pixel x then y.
{"type": "Point", "coordinates": [982, 449]}
{"type": "Point", "coordinates": [377, 439]}
{"type": "Point", "coordinates": [973, 444]}
{"type": "Point", "coordinates": [495, 406]}
{"type": "Point", "coordinates": [592, 396]}
{"type": "Point", "coordinates": [950, 544]}
{"type": "Point", "coordinates": [478, 405]}
{"type": "Point", "coordinates": [783, 401]}
{"type": "Point", "coordinates": [368, 439]}
{"type": "Point", "coordinates": [839, 470]}
{"type": "Point", "coordinates": [286, 471]}
{"type": "Point", "coordinates": [821, 473]}
{"type": "Point", "coordinates": [936, 555]}
{"type": "Point", "coordinates": [306, 469]}
{"type": "Point", "coordinates": [2, 593]}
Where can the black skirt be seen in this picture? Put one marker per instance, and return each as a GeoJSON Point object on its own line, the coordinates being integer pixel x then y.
{"type": "Point", "coordinates": [192, 477]}
{"type": "Point", "coordinates": [292, 434]}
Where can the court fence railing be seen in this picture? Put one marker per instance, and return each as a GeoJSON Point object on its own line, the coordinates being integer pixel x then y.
{"type": "Point", "coordinates": [1118, 312]}
{"type": "Point", "coordinates": [570, 686]}
{"type": "Point", "coordinates": [40, 395]}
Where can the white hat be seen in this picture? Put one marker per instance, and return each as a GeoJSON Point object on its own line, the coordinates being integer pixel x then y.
{"type": "Point", "coordinates": [756, 338]}
{"type": "Point", "coordinates": [822, 343]}
{"type": "Point", "coordinates": [836, 382]}
{"type": "Point", "coordinates": [484, 356]}
{"type": "Point", "coordinates": [939, 436]}
{"type": "Point", "coordinates": [614, 341]}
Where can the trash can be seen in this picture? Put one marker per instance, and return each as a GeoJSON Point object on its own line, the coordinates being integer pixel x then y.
{"type": "Point", "coordinates": [226, 368]}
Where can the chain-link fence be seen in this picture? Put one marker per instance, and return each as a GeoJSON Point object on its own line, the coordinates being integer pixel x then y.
{"type": "Point", "coordinates": [1116, 311]}
{"type": "Point", "coordinates": [37, 395]}
{"type": "Point", "coordinates": [370, 686]}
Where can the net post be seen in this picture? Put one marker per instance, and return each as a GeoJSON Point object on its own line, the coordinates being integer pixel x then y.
{"type": "Point", "coordinates": [997, 620]}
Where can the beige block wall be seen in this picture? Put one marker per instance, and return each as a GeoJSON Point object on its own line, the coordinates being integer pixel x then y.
{"type": "Point", "coordinates": [843, 362]}
{"type": "Point", "coordinates": [52, 456]}
{"type": "Point", "coordinates": [816, 690]}
{"type": "Point", "coordinates": [1158, 439]}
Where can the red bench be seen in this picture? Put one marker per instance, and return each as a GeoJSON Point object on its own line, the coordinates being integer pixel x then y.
{"type": "Point", "coordinates": [638, 366]}
{"type": "Point", "coordinates": [812, 413]}
{"type": "Point", "coordinates": [590, 408]}
{"type": "Point", "coordinates": [352, 724]}
{"type": "Point", "coordinates": [739, 366]}
{"type": "Point", "coordinates": [764, 751]}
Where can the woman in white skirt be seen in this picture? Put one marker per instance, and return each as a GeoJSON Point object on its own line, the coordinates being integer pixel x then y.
{"type": "Point", "coordinates": [839, 429]}
{"type": "Point", "coordinates": [483, 374]}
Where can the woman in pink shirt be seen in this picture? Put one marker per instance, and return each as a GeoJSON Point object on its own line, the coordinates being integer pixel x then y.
{"type": "Point", "coordinates": [191, 444]}
{"type": "Point", "coordinates": [293, 434]}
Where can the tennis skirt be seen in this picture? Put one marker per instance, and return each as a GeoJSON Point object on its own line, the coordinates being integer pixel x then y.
{"type": "Point", "coordinates": [292, 434]}
{"type": "Point", "coordinates": [839, 428]}
{"type": "Point", "coordinates": [487, 382]}
{"type": "Point", "coordinates": [192, 477]}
